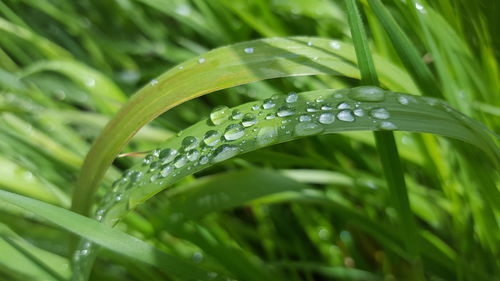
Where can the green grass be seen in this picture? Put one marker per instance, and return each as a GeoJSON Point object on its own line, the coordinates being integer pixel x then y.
{"type": "Point", "coordinates": [345, 183]}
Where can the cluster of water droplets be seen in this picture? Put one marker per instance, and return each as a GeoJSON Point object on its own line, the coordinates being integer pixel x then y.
{"type": "Point", "coordinates": [234, 131]}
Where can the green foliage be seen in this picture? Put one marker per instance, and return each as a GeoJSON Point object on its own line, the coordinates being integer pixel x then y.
{"type": "Point", "coordinates": [246, 157]}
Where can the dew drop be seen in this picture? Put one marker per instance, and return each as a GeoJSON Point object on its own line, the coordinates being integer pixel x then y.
{"type": "Point", "coordinates": [268, 104]}
{"type": "Point", "coordinates": [197, 257]}
{"type": "Point", "coordinates": [255, 107]}
{"type": "Point", "coordinates": [387, 126]}
{"type": "Point", "coordinates": [203, 160]}
{"type": "Point", "coordinates": [249, 50]}
{"type": "Point", "coordinates": [359, 112]}
{"type": "Point", "coordinates": [285, 110]}
{"type": "Point", "coordinates": [309, 43]}
{"type": "Point", "coordinates": [335, 44]}
{"type": "Point", "coordinates": [367, 93]}
{"type": "Point", "coordinates": [326, 106]}
{"type": "Point", "coordinates": [193, 155]}
{"type": "Point", "coordinates": [292, 97]}
{"type": "Point", "coordinates": [90, 82]}
{"type": "Point", "coordinates": [249, 119]}
{"type": "Point", "coordinates": [166, 171]}
{"type": "Point", "coordinates": [180, 161]}
{"type": "Point", "coordinates": [403, 100]}
{"type": "Point", "coordinates": [153, 82]}
{"type": "Point", "coordinates": [270, 116]}
{"type": "Point", "coordinates": [234, 132]}
{"type": "Point", "coordinates": [236, 115]}
{"type": "Point", "coordinates": [307, 128]}
{"type": "Point", "coordinates": [304, 118]}
{"type": "Point", "coordinates": [380, 113]}
{"type": "Point", "coordinates": [119, 197]}
{"type": "Point", "coordinates": [344, 105]}
{"type": "Point", "coordinates": [201, 60]}
{"type": "Point", "coordinates": [153, 178]}
{"type": "Point", "coordinates": [219, 115]}
{"type": "Point", "coordinates": [224, 152]}
{"type": "Point", "coordinates": [211, 138]}
{"type": "Point", "coordinates": [148, 159]}
{"type": "Point", "coordinates": [267, 135]}
{"type": "Point", "coordinates": [190, 142]}
{"type": "Point", "coordinates": [136, 176]}
{"type": "Point", "coordinates": [167, 155]}
{"type": "Point", "coordinates": [312, 107]}
{"type": "Point", "coordinates": [345, 115]}
{"type": "Point", "coordinates": [326, 118]}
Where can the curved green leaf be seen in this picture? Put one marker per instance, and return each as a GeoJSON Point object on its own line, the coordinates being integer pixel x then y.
{"type": "Point", "coordinates": [219, 69]}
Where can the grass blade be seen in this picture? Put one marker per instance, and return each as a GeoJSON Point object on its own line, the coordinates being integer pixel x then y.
{"type": "Point", "coordinates": [406, 51]}
{"type": "Point", "coordinates": [264, 59]}
{"type": "Point", "coordinates": [107, 237]}
{"type": "Point", "coordinates": [386, 144]}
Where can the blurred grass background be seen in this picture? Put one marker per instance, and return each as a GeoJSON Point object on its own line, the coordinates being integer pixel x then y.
{"type": "Point", "coordinates": [67, 66]}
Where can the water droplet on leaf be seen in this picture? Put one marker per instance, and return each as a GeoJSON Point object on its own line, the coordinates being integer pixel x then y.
{"type": "Point", "coordinates": [307, 128]}
{"type": "Point", "coordinates": [345, 115]}
{"type": "Point", "coordinates": [219, 115]}
{"type": "Point", "coordinates": [211, 138]}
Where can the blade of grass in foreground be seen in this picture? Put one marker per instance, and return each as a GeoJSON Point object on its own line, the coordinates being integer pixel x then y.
{"type": "Point", "coordinates": [218, 69]}
{"type": "Point", "coordinates": [107, 237]}
{"type": "Point", "coordinates": [385, 142]}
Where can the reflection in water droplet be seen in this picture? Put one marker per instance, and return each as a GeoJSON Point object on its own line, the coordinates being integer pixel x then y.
{"type": "Point", "coordinates": [326, 106]}
{"type": "Point", "coordinates": [345, 115]}
{"type": "Point", "coordinates": [266, 135]}
{"type": "Point", "coordinates": [203, 160]}
{"type": "Point", "coordinates": [335, 45]}
{"type": "Point", "coordinates": [270, 116]}
{"type": "Point", "coordinates": [304, 118]}
{"type": "Point", "coordinates": [344, 105]}
{"type": "Point", "coordinates": [180, 161]}
{"type": "Point", "coordinates": [388, 126]}
{"type": "Point", "coordinates": [268, 104]}
{"type": "Point", "coordinates": [219, 115]}
{"type": "Point", "coordinates": [201, 60]}
{"type": "Point", "coordinates": [189, 142]}
{"type": "Point", "coordinates": [249, 119]}
{"type": "Point", "coordinates": [236, 115]}
{"type": "Point", "coordinates": [307, 128]}
{"type": "Point", "coordinates": [211, 138]}
{"type": "Point", "coordinates": [249, 50]}
{"type": "Point", "coordinates": [234, 132]}
{"type": "Point", "coordinates": [167, 155]}
{"type": "Point", "coordinates": [285, 110]}
{"type": "Point", "coordinates": [197, 257]}
{"type": "Point", "coordinates": [193, 155]}
{"type": "Point", "coordinates": [380, 113]}
{"type": "Point", "coordinates": [291, 97]}
{"type": "Point", "coordinates": [326, 118]}
{"type": "Point", "coordinates": [359, 112]}
{"type": "Point", "coordinates": [224, 152]}
{"type": "Point", "coordinates": [403, 100]}
{"type": "Point", "coordinates": [166, 171]}
{"type": "Point", "coordinates": [312, 107]}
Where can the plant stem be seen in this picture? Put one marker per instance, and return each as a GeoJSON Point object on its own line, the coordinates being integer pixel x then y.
{"type": "Point", "coordinates": [386, 144]}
